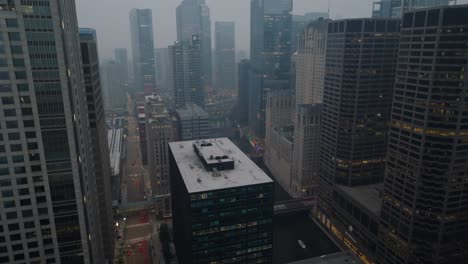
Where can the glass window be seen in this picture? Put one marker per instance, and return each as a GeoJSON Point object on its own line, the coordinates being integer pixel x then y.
{"type": "Point", "coordinates": [21, 181]}
{"type": "Point", "coordinates": [14, 36]}
{"type": "Point", "coordinates": [9, 204]}
{"type": "Point", "coordinates": [7, 193]}
{"type": "Point", "coordinates": [25, 99]}
{"type": "Point", "coordinates": [9, 112]}
{"type": "Point", "coordinates": [11, 124]}
{"type": "Point", "coordinates": [20, 75]}
{"type": "Point", "coordinates": [18, 158]}
{"type": "Point", "coordinates": [4, 88]}
{"type": "Point", "coordinates": [23, 87]}
{"type": "Point", "coordinates": [8, 100]}
{"type": "Point", "coordinates": [3, 160]}
{"type": "Point", "coordinates": [24, 191]}
{"type": "Point", "coordinates": [4, 75]}
{"type": "Point", "coordinates": [28, 123]}
{"type": "Point", "coordinates": [11, 22]}
{"type": "Point", "coordinates": [18, 62]}
{"type": "Point", "coordinates": [14, 136]}
{"type": "Point", "coordinates": [3, 62]}
{"type": "Point", "coordinates": [26, 111]}
{"type": "Point", "coordinates": [15, 147]}
{"type": "Point", "coordinates": [20, 170]}
{"type": "Point", "coordinates": [16, 49]}
{"type": "Point", "coordinates": [30, 134]}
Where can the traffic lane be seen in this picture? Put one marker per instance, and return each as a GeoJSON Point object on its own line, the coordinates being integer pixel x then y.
{"type": "Point", "coordinates": [135, 188]}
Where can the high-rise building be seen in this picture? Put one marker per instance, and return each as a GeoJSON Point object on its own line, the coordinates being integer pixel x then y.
{"type": "Point", "coordinates": [159, 133]}
{"type": "Point", "coordinates": [359, 76]}
{"type": "Point", "coordinates": [395, 8]}
{"type": "Point", "coordinates": [193, 122]}
{"type": "Point", "coordinates": [49, 206]}
{"type": "Point", "coordinates": [424, 211]}
{"type": "Point", "coordinates": [279, 133]}
{"type": "Point", "coordinates": [243, 91]}
{"type": "Point", "coordinates": [187, 81]}
{"type": "Point", "coordinates": [97, 124]}
{"type": "Point", "coordinates": [121, 58]}
{"type": "Point", "coordinates": [223, 210]}
{"type": "Point", "coordinates": [163, 71]}
{"type": "Point", "coordinates": [225, 55]}
{"type": "Point", "coordinates": [270, 51]}
{"type": "Point", "coordinates": [193, 18]}
{"type": "Point", "coordinates": [113, 85]}
{"type": "Point", "coordinates": [141, 29]}
{"type": "Point", "coordinates": [309, 77]}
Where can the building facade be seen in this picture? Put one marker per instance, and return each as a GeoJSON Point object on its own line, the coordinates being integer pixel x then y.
{"type": "Point", "coordinates": [270, 51]}
{"type": "Point", "coordinates": [121, 58]}
{"type": "Point", "coordinates": [359, 76]}
{"type": "Point", "coordinates": [141, 30]}
{"type": "Point", "coordinates": [243, 91]}
{"type": "Point", "coordinates": [224, 208]}
{"type": "Point", "coordinates": [49, 206]}
{"type": "Point", "coordinates": [193, 122]}
{"type": "Point", "coordinates": [396, 8]}
{"type": "Point", "coordinates": [164, 72]}
{"type": "Point", "coordinates": [309, 77]}
{"type": "Point", "coordinates": [225, 55]}
{"type": "Point", "coordinates": [159, 133]}
{"type": "Point", "coordinates": [193, 18]}
{"type": "Point", "coordinates": [186, 72]}
{"type": "Point", "coordinates": [114, 86]}
{"type": "Point", "coordinates": [97, 124]}
{"type": "Point", "coordinates": [424, 206]}
{"type": "Point", "coordinates": [279, 134]}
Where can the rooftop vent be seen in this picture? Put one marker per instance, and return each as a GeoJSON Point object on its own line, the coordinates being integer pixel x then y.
{"type": "Point", "coordinates": [212, 156]}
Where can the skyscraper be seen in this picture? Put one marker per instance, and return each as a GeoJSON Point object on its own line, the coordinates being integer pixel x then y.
{"type": "Point", "coordinates": [310, 74]}
{"type": "Point", "coordinates": [187, 81]}
{"type": "Point", "coordinates": [270, 51]}
{"type": "Point", "coordinates": [223, 210]}
{"type": "Point", "coordinates": [141, 29]}
{"type": "Point", "coordinates": [225, 55]}
{"type": "Point", "coordinates": [50, 203]}
{"type": "Point", "coordinates": [424, 205]}
{"type": "Point", "coordinates": [97, 124]}
{"type": "Point", "coordinates": [193, 18]}
{"type": "Point", "coordinates": [159, 133]}
{"type": "Point", "coordinates": [113, 85]}
{"type": "Point", "coordinates": [121, 58]}
{"type": "Point", "coordinates": [243, 91]}
{"type": "Point", "coordinates": [163, 70]}
{"type": "Point", "coordinates": [193, 122]}
{"type": "Point", "coordinates": [395, 8]}
{"type": "Point", "coordinates": [359, 76]}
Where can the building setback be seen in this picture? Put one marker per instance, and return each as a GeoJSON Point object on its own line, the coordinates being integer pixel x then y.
{"type": "Point", "coordinates": [359, 77]}
{"type": "Point", "coordinates": [49, 208]}
{"type": "Point", "coordinates": [159, 133]}
{"type": "Point", "coordinates": [225, 55]}
{"type": "Point", "coordinates": [141, 30]}
{"type": "Point", "coordinates": [223, 209]}
{"type": "Point", "coordinates": [425, 201]}
{"type": "Point", "coordinates": [187, 81]}
{"type": "Point", "coordinates": [97, 124]}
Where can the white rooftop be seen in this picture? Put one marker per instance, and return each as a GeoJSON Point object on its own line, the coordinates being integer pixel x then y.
{"type": "Point", "coordinates": [198, 179]}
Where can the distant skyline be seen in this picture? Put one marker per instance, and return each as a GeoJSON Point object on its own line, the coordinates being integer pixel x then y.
{"type": "Point", "coordinates": [111, 20]}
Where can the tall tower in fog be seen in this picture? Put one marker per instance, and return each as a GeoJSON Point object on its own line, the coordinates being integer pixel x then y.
{"type": "Point", "coordinates": [193, 18]}
{"type": "Point", "coordinates": [141, 29]}
{"type": "Point", "coordinates": [50, 206]}
{"type": "Point", "coordinates": [225, 55]}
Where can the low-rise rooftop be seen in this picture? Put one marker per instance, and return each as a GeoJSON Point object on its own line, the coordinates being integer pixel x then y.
{"type": "Point", "coordinates": [198, 178]}
{"type": "Point", "coordinates": [191, 111]}
{"type": "Point", "coordinates": [369, 196]}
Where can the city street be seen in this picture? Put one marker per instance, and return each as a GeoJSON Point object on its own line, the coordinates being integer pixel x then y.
{"type": "Point", "coordinates": [142, 243]}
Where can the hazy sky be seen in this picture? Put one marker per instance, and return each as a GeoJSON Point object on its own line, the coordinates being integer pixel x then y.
{"type": "Point", "coordinates": [110, 18]}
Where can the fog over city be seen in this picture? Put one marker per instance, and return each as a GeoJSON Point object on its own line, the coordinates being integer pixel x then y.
{"type": "Point", "coordinates": [110, 18]}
